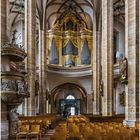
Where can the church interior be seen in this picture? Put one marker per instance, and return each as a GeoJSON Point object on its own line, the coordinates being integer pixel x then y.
{"type": "Point", "coordinates": [70, 69]}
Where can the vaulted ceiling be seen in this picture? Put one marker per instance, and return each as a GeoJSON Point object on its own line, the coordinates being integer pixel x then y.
{"type": "Point", "coordinates": [53, 9]}
{"type": "Point", "coordinates": [49, 10]}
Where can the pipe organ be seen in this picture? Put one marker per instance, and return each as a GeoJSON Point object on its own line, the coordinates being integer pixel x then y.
{"type": "Point", "coordinates": [69, 42]}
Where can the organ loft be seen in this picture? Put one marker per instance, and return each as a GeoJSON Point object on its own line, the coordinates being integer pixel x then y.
{"type": "Point", "coordinates": [70, 69]}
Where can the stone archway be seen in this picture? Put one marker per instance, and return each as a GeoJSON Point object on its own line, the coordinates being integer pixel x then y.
{"type": "Point", "coordinates": [62, 91]}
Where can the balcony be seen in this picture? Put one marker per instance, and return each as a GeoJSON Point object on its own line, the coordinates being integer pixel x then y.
{"type": "Point", "coordinates": [77, 71]}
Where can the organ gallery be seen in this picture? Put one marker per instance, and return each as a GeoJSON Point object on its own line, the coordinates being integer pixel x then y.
{"type": "Point", "coordinates": [70, 69]}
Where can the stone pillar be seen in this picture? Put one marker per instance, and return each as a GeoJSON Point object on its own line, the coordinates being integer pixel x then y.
{"type": "Point", "coordinates": [47, 106]}
{"type": "Point", "coordinates": [25, 107]}
{"type": "Point", "coordinates": [3, 39]}
{"type": "Point", "coordinates": [107, 56]}
{"type": "Point", "coordinates": [131, 56]}
{"type": "Point", "coordinates": [42, 72]}
{"type": "Point", "coordinates": [8, 23]}
{"type": "Point", "coordinates": [30, 45]}
{"type": "Point", "coordinates": [139, 62]}
{"type": "Point", "coordinates": [99, 72]}
{"type": "Point", "coordinates": [99, 55]}
{"type": "Point", "coordinates": [95, 70]}
{"type": "Point", "coordinates": [3, 21]}
{"type": "Point", "coordinates": [137, 57]}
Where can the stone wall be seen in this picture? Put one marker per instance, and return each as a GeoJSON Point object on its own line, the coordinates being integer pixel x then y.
{"type": "Point", "coordinates": [4, 121]}
{"type": "Point", "coordinates": [85, 82]}
{"type": "Point", "coordinates": [119, 91]}
{"type": "Point", "coordinates": [120, 28]}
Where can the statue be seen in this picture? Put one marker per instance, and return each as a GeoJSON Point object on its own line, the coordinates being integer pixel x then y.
{"type": "Point", "coordinates": [14, 39]}
{"type": "Point", "coordinates": [123, 70]}
{"type": "Point", "coordinates": [122, 98]}
{"type": "Point", "coordinates": [21, 85]}
{"type": "Point", "coordinates": [4, 85]}
{"type": "Point", "coordinates": [119, 56]}
{"type": "Point", "coordinates": [13, 117]}
{"type": "Point", "coordinates": [22, 88]}
{"type": "Point", "coordinates": [7, 85]}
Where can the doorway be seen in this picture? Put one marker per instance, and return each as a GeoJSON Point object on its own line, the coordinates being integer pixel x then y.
{"type": "Point", "coordinates": [70, 105]}
{"type": "Point", "coordinates": [70, 97]}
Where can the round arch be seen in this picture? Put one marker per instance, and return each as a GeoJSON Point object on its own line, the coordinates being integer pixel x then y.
{"type": "Point", "coordinates": [62, 91]}
{"type": "Point", "coordinates": [54, 92]}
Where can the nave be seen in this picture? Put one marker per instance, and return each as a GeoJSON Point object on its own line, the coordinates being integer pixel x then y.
{"type": "Point", "coordinates": [78, 127]}
{"type": "Point", "coordinates": [70, 57]}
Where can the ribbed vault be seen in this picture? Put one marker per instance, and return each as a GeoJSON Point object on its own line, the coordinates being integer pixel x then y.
{"type": "Point", "coordinates": [50, 10]}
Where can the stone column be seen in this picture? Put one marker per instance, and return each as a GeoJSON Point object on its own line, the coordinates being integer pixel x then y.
{"type": "Point", "coordinates": [131, 56]}
{"type": "Point", "coordinates": [99, 55]}
{"type": "Point", "coordinates": [138, 58]}
{"type": "Point", "coordinates": [4, 67]}
{"type": "Point", "coordinates": [4, 10]}
{"type": "Point", "coordinates": [24, 108]}
{"type": "Point", "coordinates": [107, 56]}
{"type": "Point", "coordinates": [42, 71]}
{"type": "Point", "coordinates": [99, 72]}
{"type": "Point", "coordinates": [47, 106]}
{"type": "Point", "coordinates": [30, 45]}
{"type": "Point", "coordinates": [95, 70]}
{"type": "Point", "coordinates": [3, 21]}
{"type": "Point", "coordinates": [139, 61]}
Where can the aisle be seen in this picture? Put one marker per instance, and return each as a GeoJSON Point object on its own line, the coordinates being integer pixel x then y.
{"type": "Point", "coordinates": [50, 132]}
{"type": "Point", "coordinates": [47, 135]}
